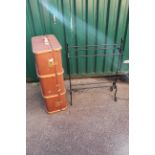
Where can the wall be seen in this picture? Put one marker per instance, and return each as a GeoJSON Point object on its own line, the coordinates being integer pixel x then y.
{"type": "Point", "coordinates": [79, 22]}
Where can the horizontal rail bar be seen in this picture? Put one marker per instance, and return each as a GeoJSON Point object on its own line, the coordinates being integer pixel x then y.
{"type": "Point", "coordinates": [91, 83]}
{"type": "Point", "coordinates": [89, 87]}
{"type": "Point", "coordinates": [94, 55]}
{"type": "Point", "coordinates": [76, 50]}
{"type": "Point", "coordinates": [72, 46]}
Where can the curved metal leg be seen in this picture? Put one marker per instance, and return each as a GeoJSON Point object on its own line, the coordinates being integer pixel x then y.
{"type": "Point", "coordinates": [70, 97]}
{"type": "Point", "coordinates": [115, 97]}
{"type": "Point", "coordinates": [111, 88]}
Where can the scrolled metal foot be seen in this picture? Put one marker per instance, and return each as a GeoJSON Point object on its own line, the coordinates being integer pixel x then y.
{"type": "Point", "coordinates": [115, 99]}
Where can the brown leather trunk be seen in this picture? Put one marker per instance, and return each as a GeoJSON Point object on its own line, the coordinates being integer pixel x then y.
{"type": "Point", "coordinates": [49, 69]}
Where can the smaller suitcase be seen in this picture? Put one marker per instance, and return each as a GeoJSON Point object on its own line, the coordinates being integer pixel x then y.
{"type": "Point", "coordinates": [45, 48]}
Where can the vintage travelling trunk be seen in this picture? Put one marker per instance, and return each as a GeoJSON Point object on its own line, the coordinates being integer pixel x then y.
{"type": "Point", "coordinates": [49, 69]}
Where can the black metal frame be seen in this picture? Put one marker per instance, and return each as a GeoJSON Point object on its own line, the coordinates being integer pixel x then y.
{"type": "Point", "coordinates": [104, 47]}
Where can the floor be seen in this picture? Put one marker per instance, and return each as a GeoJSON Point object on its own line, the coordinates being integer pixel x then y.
{"type": "Point", "coordinates": [94, 125]}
